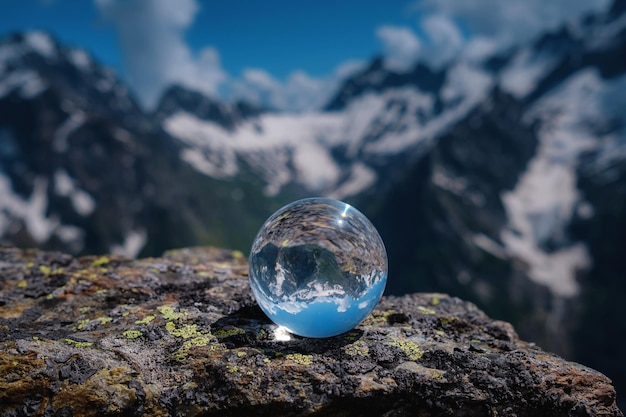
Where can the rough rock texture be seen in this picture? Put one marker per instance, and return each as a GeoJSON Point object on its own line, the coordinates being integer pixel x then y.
{"type": "Point", "coordinates": [182, 335]}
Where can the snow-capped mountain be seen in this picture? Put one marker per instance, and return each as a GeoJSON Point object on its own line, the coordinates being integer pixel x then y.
{"type": "Point", "coordinates": [519, 205]}
{"type": "Point", "coordinates": [338, 153]}
{"type": "Point", "coordinates": [500, 180]}
{"type": "Point", "coordinates": [84, 169]}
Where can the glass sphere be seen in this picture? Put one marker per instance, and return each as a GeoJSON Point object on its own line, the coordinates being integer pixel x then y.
{"type": "Point", "coordinates": [318, 267]}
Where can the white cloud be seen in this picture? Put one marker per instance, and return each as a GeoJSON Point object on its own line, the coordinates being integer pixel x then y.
{"type": "Point", "coordinates": [261, 79]}
{"type": "Point", "coordinates": [155, 54]}
{"type": "Point", "coordinates": [401, 47]}
{"type": "Point", "coordinates": [347, 68]}
{"type": "Point", "coordinates": [256, 86]}
{"type": "Point", "coordinates": [445, 39]}
{"type": "Point", "coordinates": [151, 34]}
{"type": "Point", "coordinates": [511, 21]}
{"type": "Point", "coordinates": [478, 48]}
{"type": "Point", "coordinates": [299, 93]}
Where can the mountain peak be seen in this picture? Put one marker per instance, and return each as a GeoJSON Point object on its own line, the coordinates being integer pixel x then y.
{"type": "Point", "coordinates": [41, 43]}
{"type": "Point", "coordinates": [377, 78]}
{"type": "Point", "coordinates": [178, 98]}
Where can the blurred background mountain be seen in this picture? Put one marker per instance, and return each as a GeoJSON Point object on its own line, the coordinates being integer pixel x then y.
{"type": "Point", "coordinates": [486, 140]}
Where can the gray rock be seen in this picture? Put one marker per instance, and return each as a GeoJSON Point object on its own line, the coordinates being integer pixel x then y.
{"type": "Point", "coordinates": [182, 335]}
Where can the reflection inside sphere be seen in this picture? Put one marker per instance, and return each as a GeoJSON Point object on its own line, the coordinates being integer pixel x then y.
{"type": "Point", "coordinates": [318, 267]}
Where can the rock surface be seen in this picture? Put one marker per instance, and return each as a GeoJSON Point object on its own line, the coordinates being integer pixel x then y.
{"type": "Point", "coordinates": [182, 335]}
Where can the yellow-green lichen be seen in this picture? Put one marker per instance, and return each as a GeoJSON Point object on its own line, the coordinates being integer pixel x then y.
{"type": "Point", "coordinates": [411, 349]}
{"type": "Point", "coordinates": [378, 317]}
{"type": "Point", "coordinates": [425, 310]}
{"type": "Point", "coordinates": [103, 260]}
{"type": "Point", "coordinates": [357, 349]}
{"type": "Point", "coordinates": [241, 354]}
{"type": "Point", "coordinates": [45, 269]}
{"type": "Point", "coordinates": [197, 342]}
{"type": "Point", "coordinates": [435, 301]}
{"type": "Point", "coordinates": [189, 331]}
{"type": "Point", "coordinates": [104, 320]}
{"type": "Point", "coordinates": [80, 324]}
{"type": "Point", "coordinates": [145, 320]}
{"type": "Point", "coordinates": [186, 332]}
{"type": "Point", "coordinates": [77, 344]}
{"type": "Point", "coordinates": [223, 334]}
{"type": "Point", "coordinates": [299, 358]}
{"type": "Point", "coordinates": [169, 313]}
{"type": "Point", "coordinates": [22, 284]}
{"type": "Point", "coordinates": [232, 369]}
{"type": "Point", "coordinates": [266, 360]}
{"type": "Point", "coordinates": [85, 309]}
{"type": "Point", "coordinates": [132, 334]}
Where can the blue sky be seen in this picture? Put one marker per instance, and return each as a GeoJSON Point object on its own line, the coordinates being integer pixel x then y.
{"type": "Point", "coordinates": [282, 53]}
{"type": "Point", "coordinates": [277, 35]}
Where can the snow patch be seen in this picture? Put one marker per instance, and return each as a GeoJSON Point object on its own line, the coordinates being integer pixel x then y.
{"type": "Point", "coordinates": [105, 84]}
{"type": "Point", "coordinates": [394, 124]}
{"type": "Point", "coordinates": [521, 76]}
{"type": "Point", "coordinates": [445, 181]}
{"type": "Point", "coordinates": [8, 53]}
{"type": "Point", "coordinates": [457, 186]}
{"type": "Point", "coordinates": [361, 177]}
{"type": "Point", "coordinates": [65, 186]}
{"type": "Point", "coordinates": [284, 148]}
{"type": "Point", "coordinates": [268, 145]}
{"type": "Point", "coordinates": [73, 122]}
{"type": "Point", "coordinates": [31, 211]}
{"type": "Point", "coordinates": [133, 243]}
{"type": "Point", "coordinates": [315, 167]}
{"type": "Point", "coordinates": [80, 59]}
{"type": "Point", "coordinates": [546, 197]}
{"type": "Point", "coordinates": [606, 34]}
{"type": "Point", "coordinates": [41, 43]}
{"type": "Point", "coordinates": [28, 82]}
{"type": "Point", "coordinates": [467, 85]}
{"type": "Point", "coordinates": [490, 246]}
{"type": "Point", "coordinates": [70, 234]}
{"type": "Point", "coordinates": [210, 164]}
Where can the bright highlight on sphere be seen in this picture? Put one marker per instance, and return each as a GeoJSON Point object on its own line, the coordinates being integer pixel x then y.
{"type": "Point", "coordinates": [318, 267]}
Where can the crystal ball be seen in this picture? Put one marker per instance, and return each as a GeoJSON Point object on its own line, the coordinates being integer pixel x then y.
{"type": "Point", "coordinates": [318, 267]}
